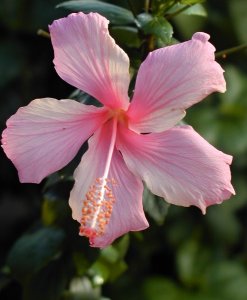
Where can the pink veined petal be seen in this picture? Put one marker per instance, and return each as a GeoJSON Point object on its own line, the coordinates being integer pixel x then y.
{"type": "Point", "coordinates": [87, 57]}
{"type": "Point", "coordinates": [179, 165]}
{"type": "Point", "coordinates": [172, 79]}
{"type": "Point", "coordinates": [45, 135]}
{"type": "Point", "coordinates": [127, 214]}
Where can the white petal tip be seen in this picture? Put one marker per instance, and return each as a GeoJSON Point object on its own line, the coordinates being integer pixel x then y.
{"type": "Point", "coordinates": [201, 36]}
{"type": "Point", "coordinates": [223, 89]}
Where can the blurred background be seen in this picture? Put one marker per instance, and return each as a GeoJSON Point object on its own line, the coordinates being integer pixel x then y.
{"type": "Point", "coordinates": [183, 255]}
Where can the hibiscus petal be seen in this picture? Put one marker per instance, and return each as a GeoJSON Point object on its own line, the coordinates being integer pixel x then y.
{"type": "Point", "coordinates": [179, 165]}
{"type": "Point", "coordinates": [170, 80]}
{"type": "Point", "coordinates": [87, 57]}
{"type": "Point", "coordinates": [127, 214]}
{"type": "Point", "coordinates": [45, 135]}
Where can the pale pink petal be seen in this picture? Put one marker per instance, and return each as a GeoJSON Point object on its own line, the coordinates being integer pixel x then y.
{"type": "Point", "coordinates": [179, 165]}
{"type": "Point", "coordinates": [127, 214]}
{"type": "Point", "coordinates": [170, 80]}
{"type": "Point", "coordinates": [45, 135]}
{"type": "Point", "coordinates": [87, 57]}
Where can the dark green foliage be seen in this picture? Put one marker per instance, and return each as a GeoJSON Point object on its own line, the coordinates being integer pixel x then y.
{"type": "Point", "coordinates": [155, 206]}
{"type": "Point", "coordinates": [183, 255]}
{"type": "Point", "coordinates": [157, 26]}
{"type": "Point", "coordinates": [33, 251]}
{"type": "Point", "coordinates": [116, 14]}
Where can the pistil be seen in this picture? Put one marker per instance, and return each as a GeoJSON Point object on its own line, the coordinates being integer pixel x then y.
{"type": "Point", "coordinates": [99, 200]}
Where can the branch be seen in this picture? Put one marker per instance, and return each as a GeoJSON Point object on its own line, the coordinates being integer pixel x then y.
{"type": "Point", "coordinates": [228, 51]}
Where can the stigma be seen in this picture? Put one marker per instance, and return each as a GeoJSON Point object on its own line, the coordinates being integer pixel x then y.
{"type": "Point", "coordinates": [97, 208]}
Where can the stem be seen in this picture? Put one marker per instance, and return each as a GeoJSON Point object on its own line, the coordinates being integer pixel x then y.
{"type": "Point", "coordinates": [43, 33]}
{"type": "Point", "coordinates": [148, 5]}
{"type": "Point", "coordinates": [150, 43]}
{"type": "Point", "coordinates": [228, 51]}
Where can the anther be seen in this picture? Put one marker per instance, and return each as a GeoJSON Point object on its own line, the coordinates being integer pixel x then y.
{"type": "Point", "coordinates": [97, 208]}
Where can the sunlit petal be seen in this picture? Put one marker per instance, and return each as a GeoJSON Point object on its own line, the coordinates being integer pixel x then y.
{"type": "Point", "coordinates": [127, 211]}
{"type": "Point", "coordinates": [87, 57]}
{"type": "Point", "coordinates": [179, 165]}
{"type": "Point", "coordinates": [172, 79]}
{"type": "Point", "coordinates": [45, 135]}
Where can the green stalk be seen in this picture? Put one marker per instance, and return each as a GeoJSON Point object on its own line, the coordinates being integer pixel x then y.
{"type": "Point", "coordinates": [170, 16]}
{"type": "Point", "coordinates": [226, 52]}
{"type": "Point", "coordinates": [43, 33]}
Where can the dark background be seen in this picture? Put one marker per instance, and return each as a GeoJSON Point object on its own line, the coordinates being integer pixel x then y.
{"type": "Point", "coordinates": [185, 256]}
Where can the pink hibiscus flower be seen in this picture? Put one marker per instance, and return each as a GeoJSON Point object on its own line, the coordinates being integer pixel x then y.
{"type": "Point", "coordinates": [175, 162]}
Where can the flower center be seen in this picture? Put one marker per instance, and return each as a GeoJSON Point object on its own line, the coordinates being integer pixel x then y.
{"type": "Point", "coordinates": [120, 115]}
{"type": "Point", "coordinates": [99, 200]}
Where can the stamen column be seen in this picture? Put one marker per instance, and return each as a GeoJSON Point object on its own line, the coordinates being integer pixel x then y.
{"type": "Point", "coordinates": [97, 207]}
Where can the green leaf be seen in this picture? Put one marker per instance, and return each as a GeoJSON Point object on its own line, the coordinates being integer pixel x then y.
{"type": "Point", "coordinates": [100, 271]}
{"type": "Point", "coordinates": [238, 10]}
{"type": "Point", "coordinates": [234, 100]}
{"type": "Point", "coordinates": [160, 288]}
{"type": "Point", "coordinates": [157, 26]}
{"type": "Point", "coordinates": [126, 36]}
{"type": "Point", "coordinates": [55, 210]}
{"type": "Point", "coordinates": [81, 263]}
{"type": "Point", "coordinates": [84, 98]}
{"type": "Point", "coordinates": [224, 224]}
{"type": "Point", "coordinates": [230, 275]}
{"type": "Point", "coordinates": [192, 260]}
{"type": "Point", "coordinates": [191, 2]}
{"type": "Point", "coordinates": [223, 117]}
{"type": "Point", "coordinates": [33, 251]}
{"type": "Point", "coordinates": [115, 14]}
{"type": "Point", "coordinates": [104, 271]}
{"type": "Point", "coordinates": [110, 254]}
{"type": "Point", "coordinates": [196, 10]}
{"type": "Point", "coordinates": [110, 264]}
{"type": "Point", "coordinates": [239, 201]}
{"type": "Point", "coordinates": [49, 283]}
{"type": "Point", "coordinates": [117, 270]}
{"type": "Point", "coordinates": [182, 9]}
{"type": "Point", "coordinates": [155, 206]}
{"type": "Point", "coordinates": [230, 137]}
{"type": "Point", "coordinates": [122, 245]}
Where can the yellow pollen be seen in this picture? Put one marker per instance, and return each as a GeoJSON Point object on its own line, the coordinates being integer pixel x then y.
{"type": "Point", "coordinates": [97, 208]}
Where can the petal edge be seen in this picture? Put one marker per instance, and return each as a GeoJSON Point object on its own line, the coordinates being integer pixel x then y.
{"type": "Point", "coordinates": [87, 57]}
{"type": "Point", "coordinates": [179, 165]}
{"type": "Point", "coordinates": [45, 135]}
{"type": "Point", "coordinates": [170, 80]}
